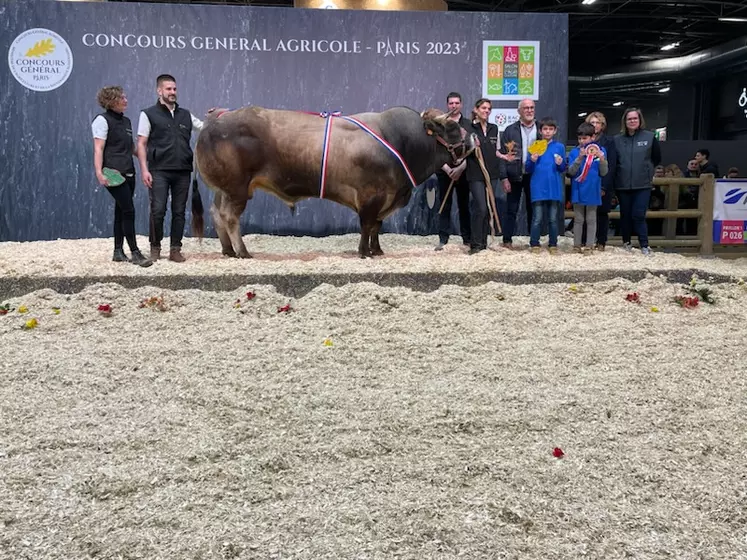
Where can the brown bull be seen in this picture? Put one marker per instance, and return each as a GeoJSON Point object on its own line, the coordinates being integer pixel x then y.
{"type": "Point", "coordinates": [281, 152]}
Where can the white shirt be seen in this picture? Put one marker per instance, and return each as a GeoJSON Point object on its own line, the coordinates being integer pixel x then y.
{"type": "Point", "coordinates": [528, 135]}
{"type": "Point", "coordinates": [100, 128]}
{"type": "Point", "coordinates": [143, 125]}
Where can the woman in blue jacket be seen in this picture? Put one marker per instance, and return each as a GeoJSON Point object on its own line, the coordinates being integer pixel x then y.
{"type": "Point", "coordinates": [546, 186]}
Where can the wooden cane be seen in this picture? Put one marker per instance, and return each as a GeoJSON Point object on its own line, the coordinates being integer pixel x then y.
{"type": "Point", "coordinates": [492, 207]}
{"type": "Point", "coordinates": [446, 197]}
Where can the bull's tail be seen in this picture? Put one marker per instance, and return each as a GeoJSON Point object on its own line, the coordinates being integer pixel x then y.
{"type": "Point", "coordinates": [198, 220]}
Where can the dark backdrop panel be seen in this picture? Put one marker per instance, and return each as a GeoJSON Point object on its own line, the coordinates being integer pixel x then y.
{"type": "Point", "coordinates": [47, 184]}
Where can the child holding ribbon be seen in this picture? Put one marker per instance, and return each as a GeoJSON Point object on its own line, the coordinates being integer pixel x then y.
{"type": "Point", "coordinates": [587, 165]}
{"type": "Point", "coordinates": [546, 164]}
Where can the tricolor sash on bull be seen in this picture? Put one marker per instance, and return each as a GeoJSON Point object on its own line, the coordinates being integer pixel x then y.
{"type": "Point", "coordinates": [592, 151]}
{"type": "Point", "coordinates": [326, 143]}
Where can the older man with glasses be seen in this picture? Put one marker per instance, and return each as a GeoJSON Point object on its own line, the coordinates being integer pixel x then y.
{"type": "Point", "coordinates": [517, 137]}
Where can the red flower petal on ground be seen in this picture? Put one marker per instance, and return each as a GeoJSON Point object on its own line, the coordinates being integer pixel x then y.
{"type": "Point", "coordinates": [250, 295]}
{"type": "Point", "coordinates": [285, 308]}
{"type": "Point", "coordinates": [633, 298]}
{"type": "Point", "coordinates": [105, 308]}
{"type": "Point", "coordinates": [557, 453]}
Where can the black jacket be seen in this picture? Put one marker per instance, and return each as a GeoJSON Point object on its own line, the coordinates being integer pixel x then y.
{"type": "Point", "coordinates": [513, 170]}
{"type": "Point", "coordinates": [608, 143]}
{"type": "Point", "coordinates": [168, 143]}
{"type": "Point", "coordinates": [637, 156]}
{"type": "Point", "coordinates": [119, 143]}
{"type": "Point", "coordinates": [488, 147]}
{"type": "Point", "coordinates": [709, 167]}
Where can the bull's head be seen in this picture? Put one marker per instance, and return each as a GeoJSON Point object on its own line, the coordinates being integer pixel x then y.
{"type": "Point", "coordinates": [449, 134]}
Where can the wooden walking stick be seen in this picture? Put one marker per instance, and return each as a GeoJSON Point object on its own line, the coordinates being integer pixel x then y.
{"type": "Point", "coordinates": [492, 207]}
{"type": "Point", "coordinates": [446, 197]}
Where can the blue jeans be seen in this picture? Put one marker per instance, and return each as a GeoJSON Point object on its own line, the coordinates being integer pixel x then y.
{"type": "Point", "coordinates": [539, 210]}
{"type": "Point", "coordinates": [633, 207]}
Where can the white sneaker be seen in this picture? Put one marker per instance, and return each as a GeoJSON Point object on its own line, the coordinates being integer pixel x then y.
{"type": "Point", "coordinates": [646, 251]}
{"type": "Point", "coordinates": [440, 247]}
{"type": "Point", "coordinates": [628, 247]}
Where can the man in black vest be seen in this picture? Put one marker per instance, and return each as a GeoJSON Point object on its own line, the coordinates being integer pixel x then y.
{"type": "Point", "coordinates": [166, 158]}
{"type": "Point", "coordinates": [447, 175]}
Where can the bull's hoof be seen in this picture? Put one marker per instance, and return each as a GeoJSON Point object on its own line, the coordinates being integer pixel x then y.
{"type": "Point", "coordinates": [229, 253]}
{"type": "Point", "coordinates": [245, 255]}
{"type": "Point", "coordinates": [377, 253]}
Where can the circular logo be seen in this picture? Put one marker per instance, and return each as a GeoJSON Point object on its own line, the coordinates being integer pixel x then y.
{"type": "Point", "coordinates": [40, 60]}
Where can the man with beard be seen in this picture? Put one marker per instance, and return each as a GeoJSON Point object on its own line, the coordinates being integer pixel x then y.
{"type": "Point", "coordinates": [165, 156]}
{"type": "Point", "coordinates": [447, 175]}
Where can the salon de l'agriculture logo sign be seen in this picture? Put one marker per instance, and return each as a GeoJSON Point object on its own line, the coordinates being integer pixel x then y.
{"type": "Point", "coordinates": [510, 70]}
{"type": "Point", "coordinates": [40, 59]}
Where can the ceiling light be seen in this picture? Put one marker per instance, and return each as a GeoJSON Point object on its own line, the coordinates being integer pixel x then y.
{"type": "Point", "coordinates": [582, 114]}
{"type": "Point", "coordinates": [617, 103]}
{"type": "Point", "coordinates": [664, 89]}
{"type": "Point", "coordinates": [670, 46]}
{"type": "Point", "coordinates": [587, 2]}
{"type": "Point", "coordinates": [733, 19]}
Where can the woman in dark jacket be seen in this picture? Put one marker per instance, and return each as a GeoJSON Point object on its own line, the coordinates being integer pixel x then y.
{"type": "Point", "coordinates": [487, 134]}
{"type": "Point", "coordinates": [638, 154]}
{"type": "Point", "coordinates": [599, 121]}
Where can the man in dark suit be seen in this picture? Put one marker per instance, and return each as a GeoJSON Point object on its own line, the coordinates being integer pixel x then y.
{"type": "Point", "coordinates": [517, 136]}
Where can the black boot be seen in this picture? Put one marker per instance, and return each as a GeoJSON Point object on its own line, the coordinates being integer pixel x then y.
{"type": "Point", "coordinates": [119, 255]}
{"type": "Point", "coordinates": [139, 259]}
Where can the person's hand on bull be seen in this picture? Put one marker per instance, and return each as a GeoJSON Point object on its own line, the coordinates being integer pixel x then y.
{"type": "Point", "coordinates": [457, 171]}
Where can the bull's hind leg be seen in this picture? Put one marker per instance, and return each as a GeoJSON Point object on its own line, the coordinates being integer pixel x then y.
{"type": "Point", "coordinates": [220, 227]}
{"type": "Point", "coordinates": [230, 211]}
{"type": "Point", "coordinates": [375, 246]}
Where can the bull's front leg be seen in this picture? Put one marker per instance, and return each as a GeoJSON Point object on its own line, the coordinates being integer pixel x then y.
{"type": "Point", "coordinates": [375, 246]}
{"type": "Point", "coordinates": [364, 247]}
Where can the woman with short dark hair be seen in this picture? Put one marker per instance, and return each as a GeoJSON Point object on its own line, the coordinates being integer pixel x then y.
{"type": "Point", "coordinates": [638, 154]}
{"type": "Point", "coordinates": [113, 150]}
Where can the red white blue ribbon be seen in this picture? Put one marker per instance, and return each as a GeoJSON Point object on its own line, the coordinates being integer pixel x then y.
{"type": "Point", "coordinates": [326, 143]}
{"type": "Point", "coordinates": [587, 165]}
{"type": "Point", "coordinates": [325, 149]}
{"type": "Point", "coordinates": [387, 145]}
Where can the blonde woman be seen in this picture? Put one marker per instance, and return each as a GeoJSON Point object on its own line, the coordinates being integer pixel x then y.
{"type": "Point", "coordinates": [599, 122]}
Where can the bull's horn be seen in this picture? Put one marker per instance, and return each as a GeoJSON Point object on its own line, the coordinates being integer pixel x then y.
{"type": "Point", "coordinates": [441, 118]}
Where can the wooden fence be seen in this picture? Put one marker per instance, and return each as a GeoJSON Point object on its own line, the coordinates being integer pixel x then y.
{"type": "Point", "coordinates": [703, 241]}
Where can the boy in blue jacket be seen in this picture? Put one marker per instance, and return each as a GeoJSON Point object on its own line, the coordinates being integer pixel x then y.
{"type": "Point", "coordinates": [587, 165]}
{"type": "Point", "coordinates": [546, 186]}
